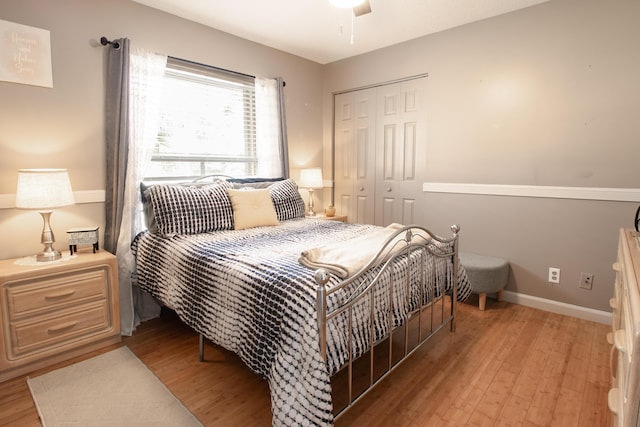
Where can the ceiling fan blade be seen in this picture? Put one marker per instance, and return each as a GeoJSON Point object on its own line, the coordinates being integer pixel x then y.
{"type": "Point", "coordinates": [362, 9]}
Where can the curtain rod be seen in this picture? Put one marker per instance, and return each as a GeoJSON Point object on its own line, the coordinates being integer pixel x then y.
{"type": "Point", "coordinates": [212, 66]}
{"type": "Point", "coordinates": [400, 80]}
{"type": "Point", "coordinates": [217, 68]}
{"type": "Point", "coordinates": [105, 41]}
{"type": "Point", "coordinates": [116, 45]}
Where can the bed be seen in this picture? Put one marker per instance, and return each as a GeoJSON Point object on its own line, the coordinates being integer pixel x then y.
{"type": "Point", "coordinates": [241, 264]}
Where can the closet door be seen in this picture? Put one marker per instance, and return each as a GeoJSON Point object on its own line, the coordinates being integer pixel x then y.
{"type": "Point", "coordinates": [400, 152]}
{"type": "Point", "coordinates": [344, 170]}
{"type": "Point", "coordinates": [355, 115]}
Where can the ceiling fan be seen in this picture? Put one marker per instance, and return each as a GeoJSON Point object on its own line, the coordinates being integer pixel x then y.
{"type": "Point", "coordinates": [359, 7]}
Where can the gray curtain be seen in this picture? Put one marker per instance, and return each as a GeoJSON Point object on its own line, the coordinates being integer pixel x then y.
{"type": "Point", "coordinates": [135, 306]}
{"type": "Point", "coordinates": [284, 146]}
{"type": "Point", "coordinates": [117, 137]}
{"type": "Point", "coordinates": [117, 154]}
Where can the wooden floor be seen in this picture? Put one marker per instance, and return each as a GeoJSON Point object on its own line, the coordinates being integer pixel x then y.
{"type": "Point", "coordinates": [507, 366]}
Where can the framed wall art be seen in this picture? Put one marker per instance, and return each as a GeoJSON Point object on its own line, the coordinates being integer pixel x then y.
{"type": "Point", "coordinates": [25, 55]}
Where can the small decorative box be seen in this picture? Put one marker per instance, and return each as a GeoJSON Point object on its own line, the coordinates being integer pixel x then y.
{"type": "Point", "coordinates": [83, 235]}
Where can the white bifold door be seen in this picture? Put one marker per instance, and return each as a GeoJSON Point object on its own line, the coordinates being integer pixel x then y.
{"type": "Point", "coordinates": [380, 143]}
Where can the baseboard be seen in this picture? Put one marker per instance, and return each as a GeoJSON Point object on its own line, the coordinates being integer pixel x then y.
{"type": "Point", "coordinates": [558, 307]}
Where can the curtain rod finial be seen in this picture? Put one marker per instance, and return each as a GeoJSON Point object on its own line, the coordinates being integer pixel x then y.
{"type": "Point", "coordinates": [105, 41]}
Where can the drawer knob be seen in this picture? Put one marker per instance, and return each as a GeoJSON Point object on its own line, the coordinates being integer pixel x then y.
{"type": "Point", "coordinates": [612, 303]}
{"type": "Point", "coordinates": [60, 295]}
{"type": "Point", "coordinates": [616, 266]}
{"type": "Point", "coordinates": [62, 328]}
{"type": "Point", "coordinates": [612, 358]}
{"type": "Point", "coordinates": [619, 340]}
{"type": "Point", "coordinates": [613, 399]}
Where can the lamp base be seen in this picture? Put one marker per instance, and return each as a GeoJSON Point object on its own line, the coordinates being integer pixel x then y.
{"type": "Point", "coordinates": [310, 211]}
{"type": "Point", "coordinates": [47, 239]}
{"type": "Point", "coordinates": [52, 255]}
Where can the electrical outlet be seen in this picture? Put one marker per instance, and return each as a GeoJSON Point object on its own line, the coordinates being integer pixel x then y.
{"type": "Point", "coordinates": [586, 280]}
{"type": "Point", "coordinates": [554, 275]}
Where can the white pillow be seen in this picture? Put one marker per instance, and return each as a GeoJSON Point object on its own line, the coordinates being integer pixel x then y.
{"type": "Point", "coordinates": [252, 208]}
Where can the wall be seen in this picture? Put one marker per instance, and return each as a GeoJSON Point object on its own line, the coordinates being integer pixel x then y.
{"type": "Point", "coordinates": [64, 126]}
{"type": "Point", "coordinates": [545, 96]}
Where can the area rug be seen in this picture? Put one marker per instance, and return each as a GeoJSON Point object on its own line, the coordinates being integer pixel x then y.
{"type": "Point", "coordinates": [112, 389]}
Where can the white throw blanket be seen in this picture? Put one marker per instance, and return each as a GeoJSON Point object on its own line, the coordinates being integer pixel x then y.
{"type": "Point", "coordinates": [347, 257]}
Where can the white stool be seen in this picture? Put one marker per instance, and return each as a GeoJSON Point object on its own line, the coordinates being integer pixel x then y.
{"type": "Point", "coordinates": [486, 274]}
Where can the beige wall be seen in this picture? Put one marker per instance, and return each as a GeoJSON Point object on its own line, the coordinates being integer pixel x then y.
{"type": "Point", "coordinates": [64, 126]}
{"type": "Point", "coordinates": [546, 96]}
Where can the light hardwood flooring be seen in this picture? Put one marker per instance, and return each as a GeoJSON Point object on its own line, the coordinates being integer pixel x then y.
{"type": "Point", "coordinates": [509, 365]}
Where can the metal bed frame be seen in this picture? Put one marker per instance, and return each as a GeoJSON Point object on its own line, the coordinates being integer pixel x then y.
{"type": "Point", "coordinates": [439, 253]}
{"type": "Point", "coordinates": [444, 248]}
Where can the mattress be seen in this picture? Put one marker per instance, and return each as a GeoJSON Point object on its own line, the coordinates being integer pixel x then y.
{"type": "Point", "coordinates": [246, 291]}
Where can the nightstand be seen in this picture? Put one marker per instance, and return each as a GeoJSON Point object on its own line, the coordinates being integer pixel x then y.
{"type": "Point", "coordinates": [341, 218]}
{"type": "Point", "coordinates": [56, 310]}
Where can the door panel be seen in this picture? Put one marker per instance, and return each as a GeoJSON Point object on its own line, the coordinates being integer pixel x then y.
{"type": "Point", "coordinates": [408, 211]}
{"type": "Point", "coordinates": [400, 157]}
{"type": "Point", "coordinates": [362, 210]}
{"type": "Point", "coordinates": [388, 206]}
{"type": "Point", "coordinates": [343, 155]}
{"type": "Point", "coordinates": [343, 203]}
{"type": "Point", "coordinates": [380, 148]}
{"type": "Point", "coordinates": [388, 151]}
{"type": "Point", "coordinates": [345, 137]}
{"type": "Point", "coordinates": [414, 151]}
{"type": "Point", "coordinates": [355, 155]}
{"type": "Point", "coordinates": [410, 151]}
{"type": "Point", "coordinates": [364, 185]}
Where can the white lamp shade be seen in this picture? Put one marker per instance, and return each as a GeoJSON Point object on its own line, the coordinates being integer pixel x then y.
{"type": "Point", "coordinates": [311, 178]}
{"type": "Point", "coordinates": [343, 4]}
{"type": "Point", "coordinates": [43, 189]}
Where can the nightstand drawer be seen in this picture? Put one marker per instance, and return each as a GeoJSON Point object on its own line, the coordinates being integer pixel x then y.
{"type": "Point", "coordinates": [49, 332]}
{"type": "Point", "coordinates": [27, 297]}
{"type": "Point", "coordinates": [53, 311]}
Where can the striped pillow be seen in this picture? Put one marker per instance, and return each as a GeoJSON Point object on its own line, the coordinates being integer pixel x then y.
{"type": "Point", "coordinates": [287, 200]}
{"type": "Point", "coordinates": [185, 209]}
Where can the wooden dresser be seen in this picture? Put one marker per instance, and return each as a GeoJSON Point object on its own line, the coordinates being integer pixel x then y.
{"type": "Point", "coordinates": [624, 396]}
{"type": "Point", "coordinates": [55, 311]}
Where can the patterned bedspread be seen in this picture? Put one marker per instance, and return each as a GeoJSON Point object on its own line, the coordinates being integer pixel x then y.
{"type": "Point", "coordinates": [246, 291]}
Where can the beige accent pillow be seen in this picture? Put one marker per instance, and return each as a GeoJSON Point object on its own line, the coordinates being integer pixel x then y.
{"type": "Point", "coordinates": [252, 208]}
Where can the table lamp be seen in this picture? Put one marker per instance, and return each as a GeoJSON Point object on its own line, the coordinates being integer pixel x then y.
{"type": "Point", "coordinates": [310, 179]}
{"type": "Point", "coordinates": [44, 190]}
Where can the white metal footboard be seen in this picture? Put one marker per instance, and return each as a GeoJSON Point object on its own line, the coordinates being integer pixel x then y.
{"type": "Point", "coordinates": [422, 314]}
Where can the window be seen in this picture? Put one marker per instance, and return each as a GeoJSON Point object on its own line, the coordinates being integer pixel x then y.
{"type": "Point", "coordinates": [207, 125]}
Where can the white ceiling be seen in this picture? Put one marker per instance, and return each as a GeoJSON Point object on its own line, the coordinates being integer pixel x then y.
{"type": "Point", "coordinates": [315, 30]}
